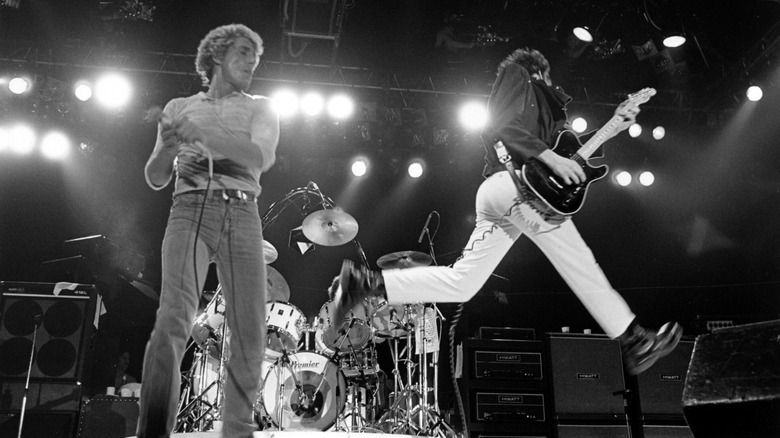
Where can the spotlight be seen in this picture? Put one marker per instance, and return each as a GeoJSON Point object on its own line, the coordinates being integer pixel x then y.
{"type": "Point", "coordinates": [583, 34]}
{"type": "Point", "coordinates": [754, 93]}
{"type": "Point", "coordinates": [623, 178]}
{"type": "Point", "coordinates": [340, 107]}
{"type": "Point", "coordinates": [415, 169]}
{"type": "Point", "coordinates": [55, 145]}
{"type": "Point", "coordinates": [473, 115]}
{"type": "Point", "coordinates": [22, 139]}
{"type": "Point", "coordinates": [112, 90]}
{"type": "Point", "coordinates": [285, 102]}
{"type": "Point", "coordinates": [19, 85]}
{"type": "Point", "coordinates": [83, 91]}
{"type": "Point", "coordinates": [635, 130]}
{"type": "Point", "coordinates": [579, 125]}
{"type": "Point", "coordinates": [674, 40]}
{"type": "Point", "coordinates": [646, 178]}
{"type": "Point", "coordinates": [659, 132]}
{"type": "Point", "coordinates": [312, 104]}
{"type": "Point", "coordinates": [359, 167]}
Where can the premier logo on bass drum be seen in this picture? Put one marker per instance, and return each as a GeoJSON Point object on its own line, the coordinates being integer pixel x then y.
{"type": "Point", "coordinates": [296, 364]}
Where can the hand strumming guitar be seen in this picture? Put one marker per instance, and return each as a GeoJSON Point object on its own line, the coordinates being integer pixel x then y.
{"type": "Point", "coordinates": [569, 171]}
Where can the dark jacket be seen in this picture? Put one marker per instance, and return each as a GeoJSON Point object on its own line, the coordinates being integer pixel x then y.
{"type": "Point", "coordinates": [525, 114]}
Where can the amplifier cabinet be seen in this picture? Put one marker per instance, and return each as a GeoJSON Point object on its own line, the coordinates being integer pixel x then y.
{"type": "Point", "coordinates": [586, 376]}
{"type": "Point", "coordinates": [513, 361]}
{"type": "Point", "coordinates": [508, 406]}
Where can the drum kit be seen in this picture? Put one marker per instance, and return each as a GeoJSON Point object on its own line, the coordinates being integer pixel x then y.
{"type": "Point", "coordinates": [318, 379]}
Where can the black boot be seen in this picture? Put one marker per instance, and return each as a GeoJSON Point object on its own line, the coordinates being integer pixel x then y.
{"type": "Point", "coordinates": [642, 348]}
{"type": "Point", "coordinates": [357, 283]}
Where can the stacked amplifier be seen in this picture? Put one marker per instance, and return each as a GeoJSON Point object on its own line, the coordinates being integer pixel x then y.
{"type": "Point", "coordinates": [504, 386]}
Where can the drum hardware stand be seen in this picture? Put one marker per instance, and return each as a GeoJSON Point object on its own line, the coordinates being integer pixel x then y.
{"type": "Point", "coordinates": [422, 419]}
{"type": "Point", "coordinates": [200, 401]}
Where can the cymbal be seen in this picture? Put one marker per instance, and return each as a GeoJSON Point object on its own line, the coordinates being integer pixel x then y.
{"type": "Point", "coordinates": [270, 254]}
{"type": "Point", "coordinates": [278, 290]}
{"type": "Point", "coordinates": [330, 227]}
{"type": "Point", "coordinates": [404, 259]}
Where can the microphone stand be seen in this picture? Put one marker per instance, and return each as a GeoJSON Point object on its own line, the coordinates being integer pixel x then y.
{"type": "Point", "coordinates": [37, 322]}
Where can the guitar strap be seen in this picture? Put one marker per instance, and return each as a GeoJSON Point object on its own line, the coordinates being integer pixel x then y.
{"type": "Point", "coordinates": [523, 193]}
{"type": "Point", "coordinates": [506, 160]}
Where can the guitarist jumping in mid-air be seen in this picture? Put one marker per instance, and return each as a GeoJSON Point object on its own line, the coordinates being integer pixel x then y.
{"type": "Point", "coordinates": [527, 113]}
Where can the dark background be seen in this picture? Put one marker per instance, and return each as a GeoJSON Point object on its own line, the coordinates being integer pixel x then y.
{"type": "Point", "coordinates": [701, 241]}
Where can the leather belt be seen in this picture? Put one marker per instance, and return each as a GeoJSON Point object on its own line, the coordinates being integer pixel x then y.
{"type": "Point", "coordinates": [227, 194]}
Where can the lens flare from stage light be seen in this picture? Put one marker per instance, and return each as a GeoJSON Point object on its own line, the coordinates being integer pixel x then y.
{"type": "Point", "coordinates": [473, 115]}
{"type": "Point", "coordinates": [415, 169]}
{"type": "Point", "coordinates": [55, 145]}
{"type": "Point", "coordinates": [22, 139]}
{"type": "Point", "coordinates": [359, 167]}
{"type": "Point", "coordinates": [285, 102]}
{"type": "Point", "coordinates": [340, 106]}
{"type": "Point", "coordinates": [113, 90]}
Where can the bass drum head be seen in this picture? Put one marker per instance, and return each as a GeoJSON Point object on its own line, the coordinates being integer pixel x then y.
{"type": "Point", "coordinates": [316, 404]}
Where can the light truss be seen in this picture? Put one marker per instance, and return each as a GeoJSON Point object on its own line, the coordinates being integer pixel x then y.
{"type": "Point", "coordinates": [409, 90]}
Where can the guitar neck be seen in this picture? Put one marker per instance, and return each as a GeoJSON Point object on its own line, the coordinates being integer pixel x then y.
{"type": "Point", "coordinates": [599, 138]}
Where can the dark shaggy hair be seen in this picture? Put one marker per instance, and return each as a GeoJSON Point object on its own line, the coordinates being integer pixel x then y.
{"type": "Point", "coordinates": [216, 43]}
{"type": "Point", "coordinates": [531, 59]}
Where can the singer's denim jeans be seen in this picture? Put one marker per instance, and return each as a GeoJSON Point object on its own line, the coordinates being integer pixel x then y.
{"type": "Point", "coordinates": [230, 234]}
{"type": "Point", "coordinates": [501, 220]}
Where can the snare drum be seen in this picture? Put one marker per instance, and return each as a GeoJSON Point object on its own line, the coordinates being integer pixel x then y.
{"type": "Point", "coordinates": [286, 324]}
{"type": "Point", "coordinates": [355, 325]}
{"type": "Point", "coordinates": [315, 404]}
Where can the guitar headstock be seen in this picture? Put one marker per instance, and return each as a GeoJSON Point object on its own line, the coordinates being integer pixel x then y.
{"type": "Point", "coordinates": [638, 98]}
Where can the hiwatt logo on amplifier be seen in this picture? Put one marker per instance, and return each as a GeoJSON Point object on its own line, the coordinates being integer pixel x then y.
{"type": "Point", "coordinates": [506, 357]}
{"type": "Point", "coordinates": [670, 377]}
{"type": "Point", "coordinates": [588, 376]}
{"type": "Point", "coordinates": [510, 399]}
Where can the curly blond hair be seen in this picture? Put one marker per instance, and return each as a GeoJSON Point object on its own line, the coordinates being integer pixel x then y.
{"type": "Point", "coordinates": [216, 43]}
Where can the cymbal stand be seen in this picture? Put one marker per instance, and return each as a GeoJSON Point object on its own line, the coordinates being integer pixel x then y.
{"type": "Point", "coordinates": [358, 420]}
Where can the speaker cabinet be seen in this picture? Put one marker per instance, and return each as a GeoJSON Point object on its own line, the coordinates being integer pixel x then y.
{"type": "Point", "coordinates": [666, 431]}
{"type": "Point", "coordinates": [42, 395]}
{"type": "Point", "coordinates": [593, 431]}
{"type": "Point", "coordinates": [660, 388]}
{"type": "Point", "coordinates": [587, 376]}
{"type": "Point", "coordinates": [38, 424]}
{"type": "Point", "coordinates": [108, 417]}
{"type": "Point", "coordinates": [64, 313]}
{"type": "Point", "coordinates": [732, 387]}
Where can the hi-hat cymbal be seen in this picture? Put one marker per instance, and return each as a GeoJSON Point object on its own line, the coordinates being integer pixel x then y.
{"type": "Point", "coordinates": [330, 227]}
{"type": "Point", "coordinates": [404, 259]}
{"type": "Point", "coordinates": [270, 254]}
{"type": "Point", "coordinates": [278, 290]}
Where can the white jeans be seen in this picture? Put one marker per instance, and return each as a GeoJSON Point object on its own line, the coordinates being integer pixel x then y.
{"type": "Point", "coordinates": [500, 221]}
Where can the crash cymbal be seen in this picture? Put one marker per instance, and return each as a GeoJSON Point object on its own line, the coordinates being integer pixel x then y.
{"type": "Point", "coordinates": [330, 227]}
{"type": "Point", "coordinates": [403, 259]}
{"type": "Point", "coordinates": [278, 290]}
{"type": "Point", "coordinates": [270, 254]}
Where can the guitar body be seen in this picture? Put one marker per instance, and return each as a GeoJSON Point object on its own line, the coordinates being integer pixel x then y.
{"type": "Point", "coordinates": [564, 199]}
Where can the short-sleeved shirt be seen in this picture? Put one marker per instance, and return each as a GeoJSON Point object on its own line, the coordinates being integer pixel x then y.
{"type": "Point", "coordinates": [231, 116]}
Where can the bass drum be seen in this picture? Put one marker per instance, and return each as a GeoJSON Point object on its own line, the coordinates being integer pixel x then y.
{"type": "Point", "coordinates": [307, 394]}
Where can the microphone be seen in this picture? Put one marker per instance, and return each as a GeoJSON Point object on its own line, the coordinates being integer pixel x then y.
{"type": "Point", "coordinates": [37, 320]}
{"type": "Point", "coordinates": [425, 227]}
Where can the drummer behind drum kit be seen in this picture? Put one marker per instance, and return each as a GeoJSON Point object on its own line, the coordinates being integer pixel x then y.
{"type": "Point", "coordinates": [335, 384]}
